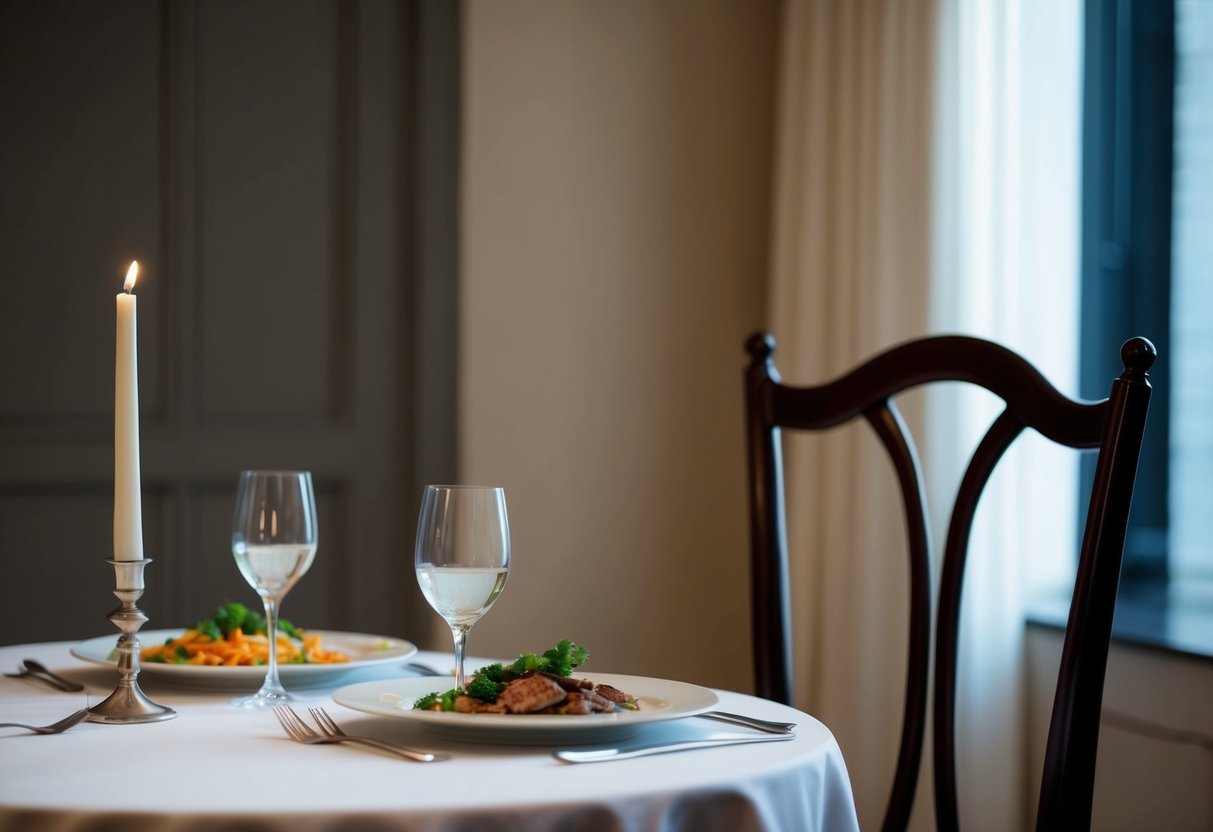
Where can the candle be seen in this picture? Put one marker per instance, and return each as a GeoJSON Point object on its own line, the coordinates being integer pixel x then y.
{"type": "Point", "coordinates": [128, 512]}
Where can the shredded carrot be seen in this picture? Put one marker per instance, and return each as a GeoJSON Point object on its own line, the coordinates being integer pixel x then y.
{"type": "Point", "coordinates": [237, 649]}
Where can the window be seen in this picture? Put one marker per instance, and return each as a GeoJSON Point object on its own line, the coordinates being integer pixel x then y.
{"type": "Point", "coordinates": [1147, 245]}
{"type": "Point", "coordinates": [1191, 452]}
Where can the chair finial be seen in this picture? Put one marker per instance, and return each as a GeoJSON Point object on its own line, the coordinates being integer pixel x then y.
{"type": "Point", "coordinates": [761, 346]}
{"type": "Point", "coordinates": [1138, 356]}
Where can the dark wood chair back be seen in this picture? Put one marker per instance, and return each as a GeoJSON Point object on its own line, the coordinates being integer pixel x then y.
{"type": "Point", "coordinates": [1114, 426]}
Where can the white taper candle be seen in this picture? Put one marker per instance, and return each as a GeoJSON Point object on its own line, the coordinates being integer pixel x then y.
{"type": "Point", "coordinates": [128, 511]}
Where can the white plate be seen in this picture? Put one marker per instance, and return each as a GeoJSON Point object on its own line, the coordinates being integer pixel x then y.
{"type": "Point", "coordinates": [660, 700]}
{"type": "Point", "coordinates": [363, 650]}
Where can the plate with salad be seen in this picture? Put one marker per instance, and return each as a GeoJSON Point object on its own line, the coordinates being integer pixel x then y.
{"type": "Point", "coordinates": [536, 699]}
{"type": "Point", "coordinates": [229, 651]}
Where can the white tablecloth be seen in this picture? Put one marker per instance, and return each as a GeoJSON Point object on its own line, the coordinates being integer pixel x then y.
{"type": "Point", "coordinates": [216, 767]}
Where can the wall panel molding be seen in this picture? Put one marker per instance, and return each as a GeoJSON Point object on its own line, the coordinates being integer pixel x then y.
{"type": "Point", "coordinates": [281, 169]}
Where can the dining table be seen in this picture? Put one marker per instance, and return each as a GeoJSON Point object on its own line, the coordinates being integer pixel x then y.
{"type": "Point", "coordinates": [214, 766]}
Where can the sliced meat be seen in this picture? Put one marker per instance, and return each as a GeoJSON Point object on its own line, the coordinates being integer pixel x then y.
{"type": "Point", "coordinates": [588, 702]}
{"type": "Point", "coordinates": [534, 693]}
{"type": "Point", "coordinates": [471, 705]}
{"type": "Point", "coordinates": [567, 682]}
{"type": "Point", "coordinates": [575, 705]}
{"type": "Point", "coordinates": [614, 694]}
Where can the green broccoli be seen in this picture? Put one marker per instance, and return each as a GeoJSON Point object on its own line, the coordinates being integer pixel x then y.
{"type": "Point", "coordinates": [426, 702]}
{"type": "Point", "coordinates": [484, 689]}
{"type": "Point", "coordinates": [234, 615]}
{"type": "Point", "coordinates": [208, 628]}
{"type": "Point", "coordinates": [254, 622]}
{"type": "Point", "coordinates": [491, 679]}
{"type": "Point", "coordinates": [444, 701]}
{"type": "Point", "coordinates": [231, 616]}
{"type": "Point", "coordinates": [492, 671]}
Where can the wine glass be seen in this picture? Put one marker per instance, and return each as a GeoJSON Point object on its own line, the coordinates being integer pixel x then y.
{"type": "Point", "coordinates": [462, 556]}
{"type": "Point", "coordinates": [274, 540]}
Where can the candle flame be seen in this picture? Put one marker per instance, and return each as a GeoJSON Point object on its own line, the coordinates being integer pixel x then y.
{"type": "Point", "coordinates": [264, 534]}
{"type": "Point", "coordinates": [131, 274]}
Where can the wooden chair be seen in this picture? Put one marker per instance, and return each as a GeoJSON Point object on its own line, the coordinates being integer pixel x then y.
{"type": "Point", "coordinates": [1114, 426]}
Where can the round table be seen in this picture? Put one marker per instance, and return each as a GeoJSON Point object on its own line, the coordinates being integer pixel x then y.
{"type": "Point", "coordinates": [218, 767]}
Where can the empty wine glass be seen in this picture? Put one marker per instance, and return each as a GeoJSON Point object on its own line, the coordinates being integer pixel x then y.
{"type": "Point", "coordinates": [462, 556]}
{"type": "Point", "coordinates": [274, 540]}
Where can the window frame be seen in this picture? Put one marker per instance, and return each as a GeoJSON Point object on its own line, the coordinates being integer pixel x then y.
{"type": "Point", "coordinates": [1127, 157]}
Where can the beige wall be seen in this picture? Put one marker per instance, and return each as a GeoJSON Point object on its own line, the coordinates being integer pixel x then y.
{"type": "Point", "coordinates": [614, 221]}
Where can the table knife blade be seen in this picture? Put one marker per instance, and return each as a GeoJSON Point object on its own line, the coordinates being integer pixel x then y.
{"type": "Point", "coordinates": [602, 755]}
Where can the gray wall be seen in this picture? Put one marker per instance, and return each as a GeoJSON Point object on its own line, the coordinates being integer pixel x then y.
{"type": "Point", "coordinates": [260, 161]}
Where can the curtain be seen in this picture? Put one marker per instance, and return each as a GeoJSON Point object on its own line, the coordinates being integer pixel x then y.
{"type": "Point", "coordinates": [926, 181]}
{"type": "Point", "coordinates": [850, 275]}
{"type": "Point", "coordinates": [1005, 267]}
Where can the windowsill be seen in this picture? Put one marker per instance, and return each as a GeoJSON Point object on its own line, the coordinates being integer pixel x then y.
{"type": "Point", "coordinates": [1146, 616]}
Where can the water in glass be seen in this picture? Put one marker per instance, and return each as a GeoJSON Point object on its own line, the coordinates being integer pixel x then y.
{"type": "Point", "coordinates": [274, 540]}
{"type": "Point", "coordinates": [462, 556]}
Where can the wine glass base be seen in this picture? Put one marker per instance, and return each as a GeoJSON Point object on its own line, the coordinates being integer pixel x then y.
{"type": "Point", "coordinates": [264, 699]}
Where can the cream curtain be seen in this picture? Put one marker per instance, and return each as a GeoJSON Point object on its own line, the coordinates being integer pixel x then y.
{"type": "Point", "coordinates": [925, 182]}
{"type": "Point", "coordinates": [851, 275]}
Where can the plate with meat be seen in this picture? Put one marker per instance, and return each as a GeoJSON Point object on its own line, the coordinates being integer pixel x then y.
{"type": "Point", "coordinates": [540, 709]}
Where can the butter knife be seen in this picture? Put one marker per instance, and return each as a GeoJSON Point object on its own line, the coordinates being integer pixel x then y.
{"type": "Point", "coordinates": [602, 755]}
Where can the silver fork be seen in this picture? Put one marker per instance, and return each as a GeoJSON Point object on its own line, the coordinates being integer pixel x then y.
{"type": "Point", "coordinates": [55, 727]}
{"type": "Point", "coordinates": [330, 728]}
{"type": "Point", "coordinates": [327, 724]}
{"type": "Point", "coordinates": [751, 722]}
{"type": "Point", "coordinates": [426, 669]}
{"type": "Point", "coordinates": [300, 731]}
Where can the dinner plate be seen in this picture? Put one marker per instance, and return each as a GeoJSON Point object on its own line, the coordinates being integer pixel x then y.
{"type": "Point", "coordinates": [660, 700]}
{"type": "Point", "coordinates": [363, 650]}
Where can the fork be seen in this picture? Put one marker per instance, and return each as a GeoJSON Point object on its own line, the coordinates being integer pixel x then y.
{"type": "Point", "coordinates": [300, 731]}
{"type": "Point", "coordinates": [425, 668]}
{"type": "Point", "coordinates": [327, 724]}
{"type": "Point", "coordinates": [751, 722]}
{"type": "Point", "coordinates": [330, 728]}
{"type": "Point", "coordinates": [55, 727]}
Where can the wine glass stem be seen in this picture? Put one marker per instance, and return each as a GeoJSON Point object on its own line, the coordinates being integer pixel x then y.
{"type": "Point", "coordinates": [460, 635]}
{"type": "Point", "coordinates": [271, 683]}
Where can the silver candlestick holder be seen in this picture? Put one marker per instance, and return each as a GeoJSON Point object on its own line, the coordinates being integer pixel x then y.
{"type": "Point", "coordinates": [128, 704]}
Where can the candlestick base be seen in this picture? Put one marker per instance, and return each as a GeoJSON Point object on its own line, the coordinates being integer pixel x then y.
{"type": "Point", "coordinates": [128, 704]}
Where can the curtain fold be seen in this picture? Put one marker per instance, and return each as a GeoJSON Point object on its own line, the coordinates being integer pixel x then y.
{"type": "Point", "coordinates": [926, 181]}
{"type": "Point", "coordinates": [1005, 266]}
{"type": "Point", "coordinates": [851, 275]}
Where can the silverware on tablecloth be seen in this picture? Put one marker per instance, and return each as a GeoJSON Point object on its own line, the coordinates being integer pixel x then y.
{"type": "Point", "coordinates": [36, 670]}
{"type": "Point", "coordinates": [425, 668]}
{"type": "Point", "coordinates": [300, 731]}
{"type": "Point", "coordinates": [55, 727]}
{"type": "Point", "coordinates": [602, 755]}
{"type": "Point", "coordinates": [766, 725]}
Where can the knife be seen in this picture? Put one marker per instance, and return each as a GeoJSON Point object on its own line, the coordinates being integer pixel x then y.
{"type": "Point", "coordinates": [602, 755]}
